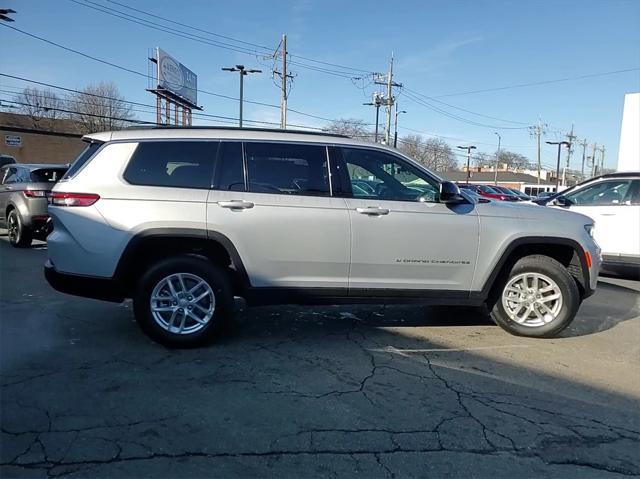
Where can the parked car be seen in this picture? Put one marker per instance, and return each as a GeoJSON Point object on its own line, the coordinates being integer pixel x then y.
{"type": "Point", "coordinates": [273, 217]}
{"type": "Point", "coordinates": [520, 194]}
{"type": "Point", "coordinates": [6, 160]}
{"type": "Point", "coordinates": [485, 191]}
{"type": "Point", "coordinates": [508, 192]}
{"type": "Point", "coordinates": [23, 200]}
{"type": "Point", "coordinates": [613, 202]}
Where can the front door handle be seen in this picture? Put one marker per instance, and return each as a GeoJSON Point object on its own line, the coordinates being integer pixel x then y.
{"type": "Point", "coordinates": [607, 214]}
{"type": "Point", "coordinates": [236, 204]}
{"type": "Point", "coordinates": [373, 210]}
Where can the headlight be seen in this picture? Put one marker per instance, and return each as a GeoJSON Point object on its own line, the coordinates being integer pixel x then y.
{"type": "Point", "coordinates": [589, 229]}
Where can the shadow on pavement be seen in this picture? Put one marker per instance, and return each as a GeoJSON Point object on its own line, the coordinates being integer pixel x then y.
{"type": "Point", "coordinates": [300, 392]}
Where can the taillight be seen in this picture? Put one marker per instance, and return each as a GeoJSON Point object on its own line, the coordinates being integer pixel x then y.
{"type": "Point", "coordinates": [35, 193]}
{"type": "Point", "coordinates": [72, 199]}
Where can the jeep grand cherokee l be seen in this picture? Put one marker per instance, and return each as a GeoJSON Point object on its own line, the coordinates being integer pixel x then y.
{"type": "Point", "coordinates": [181, 220]}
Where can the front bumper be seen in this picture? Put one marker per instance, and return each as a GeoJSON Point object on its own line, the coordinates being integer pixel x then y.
{"type": "Point", "coordinates": [105, 289]}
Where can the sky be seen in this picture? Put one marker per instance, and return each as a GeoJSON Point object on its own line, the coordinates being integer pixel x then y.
{"type": "Point", "coordinates": [445, 50]}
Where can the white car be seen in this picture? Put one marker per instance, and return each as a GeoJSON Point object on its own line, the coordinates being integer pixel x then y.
{"type": "Point", "coordinates": [613, 202]}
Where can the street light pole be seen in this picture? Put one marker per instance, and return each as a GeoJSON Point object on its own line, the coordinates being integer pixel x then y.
{"type": "Point", "coordinates": [559, 143]}
{"type": "Point", "coordinates": [468, 148]}
{"type": "Point", "coordinates": [395, 134]}
{"type": "Point", "coordinates": [243, 71]}
{"type": "Point", "coordinates": [495, 178]}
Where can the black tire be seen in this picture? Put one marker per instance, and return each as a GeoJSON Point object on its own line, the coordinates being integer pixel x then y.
{"type": "Point", "coordinates": [568, 289]}
{"type": "Point", "coordinates": [20, 236]}
{"type": "Point", "coordinates": [215, 277]}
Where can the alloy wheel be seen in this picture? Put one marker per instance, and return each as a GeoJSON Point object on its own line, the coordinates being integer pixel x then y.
{"type": "Point", "coordinates": [182, 303]}
{"type": "Point", "coordinates": [532, 299]}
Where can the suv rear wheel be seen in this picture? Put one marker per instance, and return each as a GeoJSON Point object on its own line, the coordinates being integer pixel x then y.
{"type": "Point", "coordinates": [539, 299]}
{"type": "Point", "coordinates": [20, 235]}
{"type": "Point", "coordinates": [183, 301]}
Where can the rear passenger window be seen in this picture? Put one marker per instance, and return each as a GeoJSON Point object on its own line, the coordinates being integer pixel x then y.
{"type": "Point", "coordinates": [178, 164]}
{"type": "Point", "coordinates": [287, 169]}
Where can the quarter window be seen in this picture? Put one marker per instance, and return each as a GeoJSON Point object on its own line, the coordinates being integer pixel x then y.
{"type": "Point", "coordinates": [178, 164]}
{"type": "Point", "coordinates": [605, 193]}
{"type": "Point", "coordinates": [82, 159]}
{"type": "Point", "coordinates": [287, 169]}
{"type": "Point", "coordinates": [378, 175]}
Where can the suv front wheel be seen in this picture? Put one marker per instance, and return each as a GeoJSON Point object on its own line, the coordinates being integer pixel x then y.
{"type": "Point", "coordinates": [539, 299]}
{"type": "Point", "coordinates": [183, 301]}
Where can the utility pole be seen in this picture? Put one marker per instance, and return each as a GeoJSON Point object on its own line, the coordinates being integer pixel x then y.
{"type": "Point", "coordinates": [571, 137]}
{"type": "Point", "coordinates": [602, 160]}
{"type": "Point", "coordinates": [395, 134]}
{"type": "Point", "coordinates": [377, 102]}
{"type": "Point", "coordinates": [538, 130]}
{"type": "Point", "coordinates": [283, 80]}
{"type": "Point", "coordinates": [584, 152]}
{"type": "Point", "coordinates": [495, 178]}
{"type": "Point", "coordinates": [243, 71]}
{"type": "Point", "coordinates": [387, 80]}
{"type": "Point", "coordinates": [559, 143]}
{"type": "Point", "coordinates": [594, 163]}
{"type": "Point", "coordinates": [468, 148]}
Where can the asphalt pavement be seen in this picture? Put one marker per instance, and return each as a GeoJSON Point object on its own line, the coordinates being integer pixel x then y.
{"type": "Point", "coordinates": [369, 391]}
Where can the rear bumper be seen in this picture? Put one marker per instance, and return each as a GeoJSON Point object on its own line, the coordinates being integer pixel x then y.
{"type": "Point", "coordinates": [105, 289]}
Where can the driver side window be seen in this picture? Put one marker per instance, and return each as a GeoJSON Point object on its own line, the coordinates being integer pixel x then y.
{"type": "Point", "coordinates": [378, 175]}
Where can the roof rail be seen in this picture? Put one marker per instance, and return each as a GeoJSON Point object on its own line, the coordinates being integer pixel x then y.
{"type": "Point", "coordinates": [234, 128]}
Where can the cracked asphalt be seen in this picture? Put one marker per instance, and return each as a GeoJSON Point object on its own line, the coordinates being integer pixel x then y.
{"type": "Point", "coordinates": [370, 391]}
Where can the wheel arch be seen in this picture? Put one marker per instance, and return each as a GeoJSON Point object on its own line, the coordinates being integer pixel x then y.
{"type": "Point", "coordinates": [566, 251]}
{"type": "Point", "coordinates": [151, 245]}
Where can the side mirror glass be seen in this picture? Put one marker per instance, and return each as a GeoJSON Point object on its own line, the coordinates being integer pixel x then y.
{"type": "Point", "coordinates": [450, 193]}
{"type": "Point", "coordinates": [563, 201]}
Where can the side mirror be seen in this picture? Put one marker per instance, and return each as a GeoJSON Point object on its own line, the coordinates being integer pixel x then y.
{"type": "Point", "coordinates": [450, 193]}
{"type": "Point", "coordinates": [562, 201]}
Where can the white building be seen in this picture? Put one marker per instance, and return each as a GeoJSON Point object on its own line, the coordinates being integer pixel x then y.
{"type": "Point", "coordinates": [629, 152]}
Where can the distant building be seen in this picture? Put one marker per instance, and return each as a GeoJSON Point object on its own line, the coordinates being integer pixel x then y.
{"type": "Point", "coordinates": [520, 181]}
{"type": "Point", "coordinates": [39, 141]}
{"type": "Point", "coordinates": [629, 151]}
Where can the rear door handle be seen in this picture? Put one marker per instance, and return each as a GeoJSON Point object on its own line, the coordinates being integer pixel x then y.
{"type": "Point", "coordinates": [236, 204]}
{"type": "Point", "coordinates": [607, 214]}
{"type": "Point", "coordinates": [373, 210]}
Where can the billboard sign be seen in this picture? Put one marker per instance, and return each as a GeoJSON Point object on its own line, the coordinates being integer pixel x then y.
{"type": "Point", "coordinates": [176, 78]}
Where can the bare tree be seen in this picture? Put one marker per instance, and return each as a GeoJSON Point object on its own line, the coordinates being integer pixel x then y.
{"type": "Point", "coordinates": [506, 160]}
{"type": "Point", "coordinates": [39, 105]}
{"type": "Point", "coordinates": [99, 108]}
{"type": "Point", "coordinates": [434, 153]}
{"type": "Point", "coordinates": [349, 127]}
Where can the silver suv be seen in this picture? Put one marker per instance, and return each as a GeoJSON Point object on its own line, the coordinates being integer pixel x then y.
{"type": "Point", "coordinates": [182, 220]}
{"type": "Point", "coordinates": [23, 200]}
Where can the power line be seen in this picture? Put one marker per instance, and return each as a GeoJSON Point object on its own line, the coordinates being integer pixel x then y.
{"type": "Point", "coordinates": [430, 106]}
{"type": "Point", "coordinates": [463, 109]}
{"type": "Point", "coordinates": [188, 26]}
{"type": "Point", "coordinates": [542, 82]}
{"type": "Point", "coordinates": [197, 38]}
{"type": "Point", "coordinates": [135, 72]}
{"type": "Point", "coordinates": [163, 28]}
{"type": "Point", "coordinates": [168, 20]}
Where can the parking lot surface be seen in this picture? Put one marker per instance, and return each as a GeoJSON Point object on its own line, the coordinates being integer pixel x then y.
{"type": "Point", "coordinates": [371, 391]}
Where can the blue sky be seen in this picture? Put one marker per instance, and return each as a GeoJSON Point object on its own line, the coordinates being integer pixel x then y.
{"type": "Point", "coordinates": [441, 48]}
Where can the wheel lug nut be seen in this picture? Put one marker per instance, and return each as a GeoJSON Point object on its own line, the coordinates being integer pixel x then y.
{"type": "Point", "coordinates": [175, 303]}
{"type": "Point", "coordinates": [190, 308]}
{"type": "Point", "coordinates": [190, 298]}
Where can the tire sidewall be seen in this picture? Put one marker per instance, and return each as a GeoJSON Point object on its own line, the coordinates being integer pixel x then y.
{"type": "Point", "coordinates": [216, 278]}
{"type": "Point", "coordinates": [568, 288]}
{"type": "Point", "coordinates": [23, 237]}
